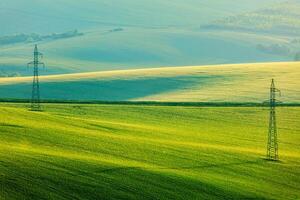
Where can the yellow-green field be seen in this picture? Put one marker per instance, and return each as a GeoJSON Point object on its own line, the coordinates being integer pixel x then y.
{"type": "Point", "coordinates": [220, 83]}
{"type": "Point", "coordinates": [146, 152]}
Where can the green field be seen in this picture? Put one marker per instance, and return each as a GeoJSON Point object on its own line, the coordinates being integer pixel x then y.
{"type": "Point", "coordinates": [153, 33]}
{"type": "Point", "coordinates": [214, 83]}
{"type": "Point", "coordinates": [146, 152]}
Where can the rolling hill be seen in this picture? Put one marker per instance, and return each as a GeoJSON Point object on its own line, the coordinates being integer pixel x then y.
{"type": "Point", "coordinates": [220, 83]}
{"type": "Point", "coordinates": [106, 50]}
{"type": "Point", "coordinates": [144, 152]}
{"type": "Point", "coordinates": [279, 21]}
{"type": "Point", "coordinates": [133, 55]}
{"type": "Point", "coordinates": [283, 18]}
{"type": "Point", "coordinates": [150, 34]}
{"type": "Point", "coordinates": [62, 15]}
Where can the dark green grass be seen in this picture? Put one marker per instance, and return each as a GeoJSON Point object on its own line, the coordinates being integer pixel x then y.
{"type": "Point", "coordinates": [105, 90]}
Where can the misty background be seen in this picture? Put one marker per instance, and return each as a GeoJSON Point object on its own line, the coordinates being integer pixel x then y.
{"type": "Point", "coordinates": [91, 35]}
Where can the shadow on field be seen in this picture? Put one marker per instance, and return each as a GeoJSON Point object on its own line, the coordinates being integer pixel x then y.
{"type": "Point", "coordinates": [215, 165]}
{"type": "Point", "coordinates": [113, 90]}
{"type": "Point", "coordinates": [44, 177]}
{"type": "Point", "coordinates": [11, 125]}
{"type": "Point", "coordinates": [175, 186]}
{"type": "Point", "coordinates": [116, 169]}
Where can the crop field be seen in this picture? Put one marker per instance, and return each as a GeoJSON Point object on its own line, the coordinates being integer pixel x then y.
{"type": "Point", "coordinates": [80, 151]}
{"type": "Point", "coordinates": [171, 39]}
{"type": "Point", "coordinates": [214, 83]}
{"type": "Point", "coordinates": [149, 100]}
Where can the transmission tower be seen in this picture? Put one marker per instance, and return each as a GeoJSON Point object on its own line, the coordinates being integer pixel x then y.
{"type": "Point", "coordinates": [272, 149]}
{"type": "Point", "coordinates": [35, 98]}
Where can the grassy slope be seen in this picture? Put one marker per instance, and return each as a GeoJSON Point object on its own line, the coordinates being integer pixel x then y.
{"type": "Point", "coordinates": [279, 21]}
{"type": "Point", "coordinates": [231, 83]}
{"type": "Point", "coordinates": [281, 18]}
{"type": "Point", "coordinates": [62, 15]}
{"type": "Point", "coordinates": [100, 49]}
{"type": "Point", "coordinates": [156, 33]}
{"type": "Point", "coordinates": [144, 152]}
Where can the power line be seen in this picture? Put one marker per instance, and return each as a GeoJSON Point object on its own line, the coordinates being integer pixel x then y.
{"type": "Point", "coordinates": [35, 96]}
{"type": "Point", "coordinates": [272, 147]}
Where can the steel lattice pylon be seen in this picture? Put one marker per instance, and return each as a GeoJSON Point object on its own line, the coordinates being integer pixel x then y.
{"type": "Point", "coordinates": [272, 148]}
{"type": "Point", "coordinates": [35, 98]}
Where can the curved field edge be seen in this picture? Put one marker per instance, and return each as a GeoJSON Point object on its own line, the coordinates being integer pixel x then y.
{"type": "Point", "coordinates": [145, 152]}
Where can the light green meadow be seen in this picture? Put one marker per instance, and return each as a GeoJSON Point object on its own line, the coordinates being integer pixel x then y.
{"type": "Point", "coordinates": [146, 152]}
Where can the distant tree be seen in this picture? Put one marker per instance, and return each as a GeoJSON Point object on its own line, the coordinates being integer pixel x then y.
{"type": "Point", "coordinates": [276, 49]}
{"type": "Point", "coordinates": [297, 57]}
